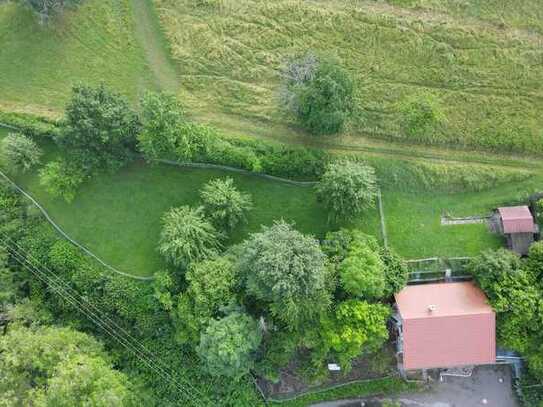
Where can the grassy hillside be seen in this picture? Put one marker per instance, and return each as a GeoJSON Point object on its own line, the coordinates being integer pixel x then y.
{"type": "Point", "coordinates": [93, 43]}
{"type": "Point", "coordinates": [481, 60]}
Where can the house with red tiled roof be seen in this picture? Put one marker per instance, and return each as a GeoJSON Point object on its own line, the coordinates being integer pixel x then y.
{"type": "Point", "coordinates": [445, 325]}
{"type": "Point", "coordinates": [517, 224]}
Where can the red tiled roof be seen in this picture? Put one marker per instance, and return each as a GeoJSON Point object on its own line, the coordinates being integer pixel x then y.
{"type": "Point", "coordinates": [458, 331]}
{"type": "Point", "coordinates": [517, 219]}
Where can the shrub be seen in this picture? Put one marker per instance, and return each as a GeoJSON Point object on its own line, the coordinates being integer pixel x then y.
{"type": "Point", "coordinates": [422, 118]}
{"type": "Point", "coordinates": [228, 345]}
{"type": "Point", "coordinates": [62, 179]}
{"type": "Point", "coordinates": [187, 236]}
{"type": "Point", "coordinates": [29, 125]}
{"type": "Point", "coordinates": [19, 152]}
{"type": "Point", "coordinates": [318, 92]}
{"type": "Point", "coordinates": [347, 188]}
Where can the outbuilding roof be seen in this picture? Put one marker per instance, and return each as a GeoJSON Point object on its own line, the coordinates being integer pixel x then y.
{"type": "Point", "coordinates": [440, 300]}
{"type": "Point", "coordinates": [517, 219]}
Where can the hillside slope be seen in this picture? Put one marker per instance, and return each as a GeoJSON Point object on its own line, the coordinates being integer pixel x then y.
{"type": "Point", "coordinates": [482, 60]}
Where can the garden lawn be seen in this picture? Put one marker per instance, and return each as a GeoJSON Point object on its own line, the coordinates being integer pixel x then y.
{"type": "Point", "coordinates": [92, 43]}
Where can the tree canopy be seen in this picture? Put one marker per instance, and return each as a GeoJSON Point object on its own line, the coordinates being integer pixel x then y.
{"type": "Point", "coordinates": [224, 204]}
{"type": "Point", "coordinates": [347, 188]}
{"type": "Point", "coordinates": [100, 128]}
{"type": "Point", "coordinates": [318, 92]}
{"type": "Point", "coordinates": [228, 345]}
{"type": "Point", "coordinates": [187, 236]}
{"type": "Point", "coordinates": [50, 366]}
{"type": "Point", "coordinates": [286, 269]}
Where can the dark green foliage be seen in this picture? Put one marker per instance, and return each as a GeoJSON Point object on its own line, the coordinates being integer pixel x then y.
{"type": "Point", "coordinates": [396, 271]}
{"type": "Point", "coordinates": [9, 286]}
{"type": "Point", "coordinates": [517, 299]}
{"type": "Point", "coordinates": [100, 129]}
{"type": "Point", "coordinates": [286, 270]}
{"type": "Point", "coordinates": [187, 236]}
{"type": "Point", "coordinates": [211, 288]}
{"type": "Point", "coordinates": [535, 261]}
{"type": "Point", "coordinates": [228, 345]}
{"type": "Point", "coordinates": [318, 92]}
{"type": "Point", "coordinates": [224, 204]}
{"type": "Point", "coordinates": [62, 179]}
{"type": "Point", "coordinates": [347, 189]}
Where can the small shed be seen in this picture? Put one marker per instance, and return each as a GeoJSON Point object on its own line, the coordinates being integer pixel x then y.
{"type": "Point", "coordinates": [517, 224]}
{"type": "Point", "coordinates": [445, 325]}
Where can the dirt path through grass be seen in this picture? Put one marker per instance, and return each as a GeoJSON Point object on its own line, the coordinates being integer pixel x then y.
{"type": "Point", "coordinates": [149, 35]}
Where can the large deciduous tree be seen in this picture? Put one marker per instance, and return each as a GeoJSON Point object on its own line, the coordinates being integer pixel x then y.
{"type": "Point", "coordinates": [57, 367]}
{"type": "Point", "coordinates": [228, 345]}
{"type": "Point", "coordinates": [100, 130]}
{"type": "Point", "coordinates": [347, 189]}
{"type": "Point", "coordinates": [318, 92]}
{"type": "Point", "coordinates": [224, 204]}
{"type": "Point", "coordinates": [286, 269]}
{"type": "Point", "coordinates": [187, 236]}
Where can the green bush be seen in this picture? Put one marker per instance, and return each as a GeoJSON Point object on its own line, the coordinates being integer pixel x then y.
{"type": "Point", "coordinates": [62, 179]}
{"type": "Point", "coordinates": [19, 153]}
{"type": "Point", "coordinates": [422, 118]}
{"type": "Point", "coordinates": [30, 125]}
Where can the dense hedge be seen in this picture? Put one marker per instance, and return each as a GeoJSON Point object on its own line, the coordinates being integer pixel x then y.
{"type": "Point", "coordinates": [30, 125]}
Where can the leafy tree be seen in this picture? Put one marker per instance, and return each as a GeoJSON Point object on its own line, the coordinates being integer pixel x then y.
{"type": "Point", "coordinates": [422, 117]}
{"type": "Point", "coordinates": [211, 288]}
{"type": "Point", "coordinates": [354, 328]}
{"type": "Point", "coordinates": [362, 273]}
{"type": "Point", "coordinates": [228, 345]}
{"type": "Point", "coordinates": [162, 117]}
{"type": "Point", "coordinates": [81, 381]}
{"type": "Point", "coordinates": [187, 236]}
{"type": "Point", "coordinates": [396, 271]}
{"type": "Point", "coordinates": [347, 188]}
{"type": "Point", "coordinates": [62, 179]}
{"type": "Point", "coordinates": [319, 92]}
{"type": "Point", "coordinates": [224, 204]}
{"type": "Point", "coordinates": [162, 285]}
{"type": "Point", "coordinates": [100, 129]}
{"type": "Point", "coordinates": [9, 286]}
{"type": "Point", "coordinates": [535, 260]}
{"type": "Point", "coordinates": [57, 366]}
{"type": "Point", "coordinates": [287, 270]}
{"type": "Point", "coordinates": [19, 152]}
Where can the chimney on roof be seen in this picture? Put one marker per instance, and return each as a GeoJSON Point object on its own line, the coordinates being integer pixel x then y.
{"type": "Point", "coordinates": [431, 308]}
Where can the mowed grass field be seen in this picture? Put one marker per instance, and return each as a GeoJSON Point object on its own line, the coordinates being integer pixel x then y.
{"type": "Point", "coordinates": [482, 60]}
{"type": "Point", "coordinates": [118, 216]}
{"type": "Point", "coordinates": [93, 43]}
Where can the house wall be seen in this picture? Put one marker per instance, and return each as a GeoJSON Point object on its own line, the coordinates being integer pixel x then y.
{"type": "Point", "coordinates": [520, 242]}
{"type": "Point", "coordinates": [449, 341]}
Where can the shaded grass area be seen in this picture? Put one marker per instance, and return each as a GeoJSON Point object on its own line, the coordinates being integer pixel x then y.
{"type": "Point", "coordinates": [92, 43]}
{"type": "Point", "coordinates": [486, 77]}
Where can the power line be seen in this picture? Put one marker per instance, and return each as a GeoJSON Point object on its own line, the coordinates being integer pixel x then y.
{"type": "Point", "coordinates": [96, 316]}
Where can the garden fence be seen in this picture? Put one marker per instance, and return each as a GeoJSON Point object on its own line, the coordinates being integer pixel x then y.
{"type": "Point", "coordinates": [438, 269]}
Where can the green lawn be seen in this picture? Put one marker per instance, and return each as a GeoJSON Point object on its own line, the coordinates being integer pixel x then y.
{"type": "Point", "coordinates": [96, 42]}
{"type": "Point", "coordinates": [485, 70]}
{"type": "Point", "coordinates": [118, 216]}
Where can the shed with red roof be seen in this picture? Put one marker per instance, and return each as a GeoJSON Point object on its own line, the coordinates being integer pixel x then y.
{"type": "Point", "coordinates": [518, 226]}
{"type": "Point", "coordinates": [445, 325]}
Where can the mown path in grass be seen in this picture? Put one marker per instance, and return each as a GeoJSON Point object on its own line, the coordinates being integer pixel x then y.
{"type": "Point", "coordinates": [148, 33]}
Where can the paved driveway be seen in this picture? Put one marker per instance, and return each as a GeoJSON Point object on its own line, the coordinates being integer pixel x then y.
{"type": "Point", "coordinates": [488, 386]}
